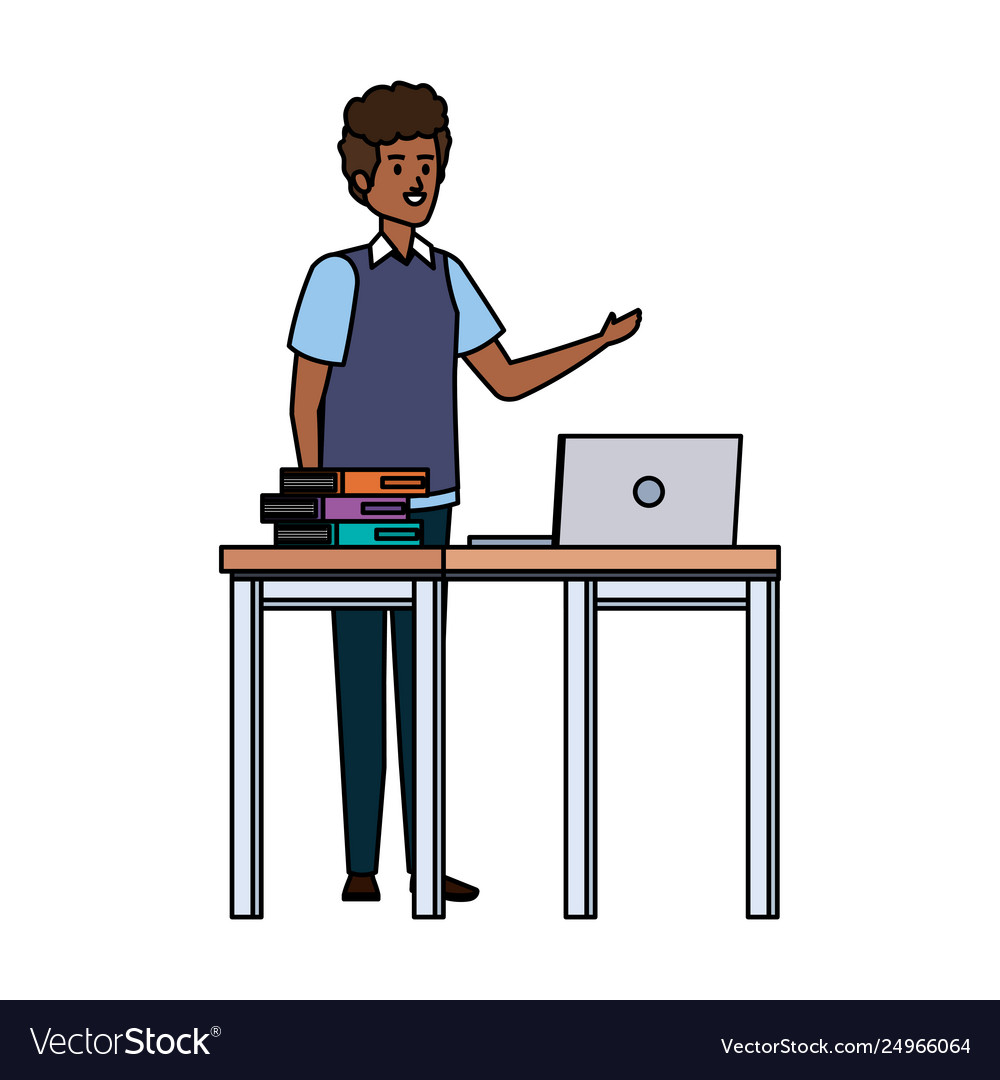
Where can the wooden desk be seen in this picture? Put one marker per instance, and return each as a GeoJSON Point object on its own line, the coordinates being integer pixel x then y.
{"type": "Point", "coordinates": [595, 579]}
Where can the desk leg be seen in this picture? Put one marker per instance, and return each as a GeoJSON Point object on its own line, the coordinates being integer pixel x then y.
{"type": "Point", "coordinates": [428, 751]}
{"type": "Point", "coordinates": [246, 747]}
{"type": "Point", "coordinates": [762, 750]}
{"type": "Point", "coordinates": [580, 764]}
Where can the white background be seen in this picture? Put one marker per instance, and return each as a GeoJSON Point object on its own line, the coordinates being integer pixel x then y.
{"type": "Point", "coordinates": [803, 199]}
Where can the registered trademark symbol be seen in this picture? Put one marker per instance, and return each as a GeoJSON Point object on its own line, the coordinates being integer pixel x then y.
{"type": "Point", "coordinates": [216, 1030]}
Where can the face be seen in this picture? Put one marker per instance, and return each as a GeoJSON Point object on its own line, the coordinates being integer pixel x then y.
{"type": "Point", "coordinates": [406, 181]}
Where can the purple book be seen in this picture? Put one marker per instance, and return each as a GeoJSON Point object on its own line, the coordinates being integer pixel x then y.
{"type": "Point", "coordinates": [363, 508]}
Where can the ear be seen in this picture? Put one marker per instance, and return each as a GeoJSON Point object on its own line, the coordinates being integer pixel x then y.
{"type": "Point", "coordinates": [361, 181]}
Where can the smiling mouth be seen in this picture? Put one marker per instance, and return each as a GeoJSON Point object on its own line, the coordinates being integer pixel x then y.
{"type": "Point", "coordinates": [415, 198]}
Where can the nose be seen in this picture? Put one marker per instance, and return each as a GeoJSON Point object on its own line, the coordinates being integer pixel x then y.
{"type": "Point", "coordinates": [420, 184]}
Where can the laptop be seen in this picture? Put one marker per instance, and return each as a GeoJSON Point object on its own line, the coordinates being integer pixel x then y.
{"type": "Point", "coordinates": [641, 490]}
{"type": "Point", "coordinates": [628, 490]}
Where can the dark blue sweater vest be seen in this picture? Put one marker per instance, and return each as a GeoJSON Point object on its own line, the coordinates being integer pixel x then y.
{"type": "Point", "coordinates": [392, 402]}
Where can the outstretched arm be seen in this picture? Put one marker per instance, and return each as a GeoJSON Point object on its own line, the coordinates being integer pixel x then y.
{"type": "Point", "coordinates": [308, 385]}
{"type": "Point", "coordinates": [511, 379]}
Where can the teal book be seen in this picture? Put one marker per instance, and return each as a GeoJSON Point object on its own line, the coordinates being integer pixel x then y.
{"type": "Point", "coordinates": [348, 534]}
{"type": "Point", "coordinates": [377, 533]}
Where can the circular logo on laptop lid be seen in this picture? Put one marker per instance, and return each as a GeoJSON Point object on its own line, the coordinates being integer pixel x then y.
{"type": "Point", "coordinates": [648, 491]}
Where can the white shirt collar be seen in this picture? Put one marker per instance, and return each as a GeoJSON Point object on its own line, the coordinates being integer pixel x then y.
{"type": "Point", "coordinates": [380, 249]}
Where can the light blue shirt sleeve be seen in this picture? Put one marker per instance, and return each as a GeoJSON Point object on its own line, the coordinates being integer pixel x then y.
{"type": "Point", "coordinates": [477, 321]}
{"type": "Point", "coordinates": [322, 321]}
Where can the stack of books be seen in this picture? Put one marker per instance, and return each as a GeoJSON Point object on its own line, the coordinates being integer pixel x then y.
{"type": "Point", "coordinates": [356, 506]}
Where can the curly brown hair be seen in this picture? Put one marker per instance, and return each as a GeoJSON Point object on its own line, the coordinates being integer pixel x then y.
{"type": "Point", "coordinates": [385, 114]}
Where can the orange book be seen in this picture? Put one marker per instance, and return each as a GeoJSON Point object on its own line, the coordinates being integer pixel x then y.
{"type": "Point", "coordinates": [355, 481]}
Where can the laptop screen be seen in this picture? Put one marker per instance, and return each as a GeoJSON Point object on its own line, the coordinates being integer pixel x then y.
{"type": "Point", "coordinates": [628, 490]}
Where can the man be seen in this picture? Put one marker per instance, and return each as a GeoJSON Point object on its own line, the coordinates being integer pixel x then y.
{"type": "Point", "coordinates": [376, 337]}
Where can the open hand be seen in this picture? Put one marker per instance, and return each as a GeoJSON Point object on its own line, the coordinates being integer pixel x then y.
{"type": "Point", "coordinates": [618, 329]}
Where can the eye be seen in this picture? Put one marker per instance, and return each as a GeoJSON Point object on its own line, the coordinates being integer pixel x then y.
{"type": "Point", "coordinates": [426, 170]}
{"type": "Point", "coordinates": [397, 169]}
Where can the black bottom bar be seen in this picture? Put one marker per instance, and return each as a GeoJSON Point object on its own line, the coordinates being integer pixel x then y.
{"type": "Point", "coordinates": [520, 1038]}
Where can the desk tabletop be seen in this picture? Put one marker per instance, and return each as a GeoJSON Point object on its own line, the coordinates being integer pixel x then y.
{"type": "Point", "coordinates": [401, 561]}
{"type": "Point", "coordinates": [513, 562]}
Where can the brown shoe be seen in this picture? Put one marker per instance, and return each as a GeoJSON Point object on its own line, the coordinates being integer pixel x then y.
{"type": "Point", "coordinates": [361, 887]}
{"type": "Point", "coordinates": [455, 890]}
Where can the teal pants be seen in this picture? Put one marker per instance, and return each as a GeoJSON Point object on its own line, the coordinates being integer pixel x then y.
{"type": "Point", "coordinates": [359, 652]}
